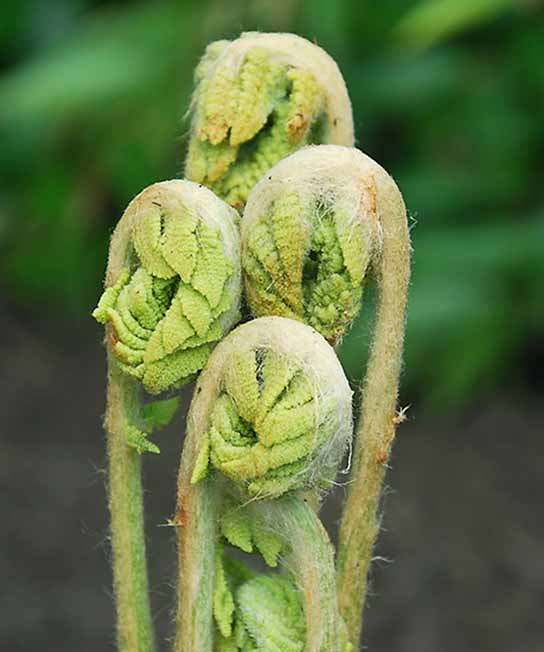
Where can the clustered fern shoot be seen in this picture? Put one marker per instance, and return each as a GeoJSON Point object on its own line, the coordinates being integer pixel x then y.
{"type": "Point", "coordinates": [271, 415]}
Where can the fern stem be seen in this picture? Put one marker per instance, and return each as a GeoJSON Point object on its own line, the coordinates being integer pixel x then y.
{"type": "Point", "coordinates": [376, 429]}
{"type": "Point", "coordinates": [134, 623]}
{"type": "Point", "coordinates": [196, 519]}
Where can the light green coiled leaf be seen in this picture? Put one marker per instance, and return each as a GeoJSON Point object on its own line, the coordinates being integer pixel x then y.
{"type": "Point", "coordinates": [257, 100]}
{"type": "Point", "coordinates": [179, 293]}
{"type": "Point", "coordinates": [275, 421]}
{"type": "Point", "coordinates": [309, 233]}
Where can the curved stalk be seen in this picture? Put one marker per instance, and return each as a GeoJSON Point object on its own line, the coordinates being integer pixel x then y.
{"type": "Point", "coordinates": [314, 229]}
{"type": "Point", "coordinates": [376, 429]}
{"type": "Point", "coordinates": [310, 561]}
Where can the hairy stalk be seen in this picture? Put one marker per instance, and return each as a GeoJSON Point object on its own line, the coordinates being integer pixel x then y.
{"type": "Point", "coordinates": [271, 414]}
{"type": "Point", "coordinates": [376, 429]}
{"type": "Point", "coordinates": [134, 623]}
{"type": "Point", "coordinates": [258, 99]}
{"type": "Point", "coordinates": [172, 290]}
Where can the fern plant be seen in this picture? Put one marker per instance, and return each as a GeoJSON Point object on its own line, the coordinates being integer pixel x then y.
{"type": "Point", "coordinates": [271, 417]}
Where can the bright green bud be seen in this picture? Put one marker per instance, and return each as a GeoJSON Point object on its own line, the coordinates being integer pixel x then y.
{"type": "Point", "coordinates": [179, 290]}
{"type": "Point", "coordinates": [274, 411]}
{"type": "Point", "coordinates": [309, 233]}
{"type": "Point", "coordinates": [257, 100]}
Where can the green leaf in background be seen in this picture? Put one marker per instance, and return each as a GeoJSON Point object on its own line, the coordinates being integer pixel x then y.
{"type": "Point", "coordinates": [432, 21]}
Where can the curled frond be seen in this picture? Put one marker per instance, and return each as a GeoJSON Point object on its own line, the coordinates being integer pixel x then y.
{"type": "Point", "coordinates": [267, 616]}
{"type": "Point", "coordinates": [258, 99]}
{"type": "Point", "coordinates": [174, 289]}
{"type": "Point", "coordinates": [272, 409]}
{"type": "Point", "coordinates": [310, 232]}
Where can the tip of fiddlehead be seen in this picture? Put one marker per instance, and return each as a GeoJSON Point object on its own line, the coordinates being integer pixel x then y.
{"type": "Point", "coordinates": [272, 410]}
{"type": "Point", "coordinates": [258, 99]}
{"type": "Point", "coordinates": [309, 233]}
{"type": "Point", "coordinates": [173, 283]}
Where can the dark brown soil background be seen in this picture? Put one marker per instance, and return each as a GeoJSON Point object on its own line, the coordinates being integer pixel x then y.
{"type": "Point", "coordinates": [463, 530]}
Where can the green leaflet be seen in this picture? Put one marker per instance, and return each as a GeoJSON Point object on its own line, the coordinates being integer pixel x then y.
{"type": "Point", "coordinates": [266, 426]}
{"type": "Point", "coordinates": [306, 260]}
{"type": "Point", "coordinates": [268, 617]}
{"type": "Point", "coordinates": [153, 416]}
{"type": "Point", "coordinates": [243, 530]}
{"type": "Point", "coordinates": [166, 311]}
{"type": "Point", "coordinates": [248, 118]}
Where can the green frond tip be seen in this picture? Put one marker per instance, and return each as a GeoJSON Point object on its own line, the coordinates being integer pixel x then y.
{"type": "Point", "coordinates": [138, 440]}
{"type": "Point", "coordinates": [306, 246]}
{"type": "Point", "coordinates": [262, 612]}
{"type": "Point", "coordinates": [242, 529]}
{"type": "Point", "coordinates": [223, 601]}
{"type": "Point", "coordinates": [257, 100]}
{"type": "Point", "coordinates": [180, 293]}
{"type": "Point", "coordinates": [268, 617]}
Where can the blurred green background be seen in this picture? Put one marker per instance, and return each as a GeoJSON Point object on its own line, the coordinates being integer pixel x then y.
{"type": "Point", "coordinates": [448, 95]}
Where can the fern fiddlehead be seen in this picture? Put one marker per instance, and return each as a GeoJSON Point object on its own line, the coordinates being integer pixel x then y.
{"type": "Point", "coordinates": [309, 236]}
{"type": "Point", "coordinates": [314, 229]}
{"type": "Point", "coordinates": [172, 291]}
{"type": "Point", "coordinates": [258, 99]}
{"type": "Point", "coordinates": [271, 414]}
{"type": "Point", "coordinates": [178, 291]}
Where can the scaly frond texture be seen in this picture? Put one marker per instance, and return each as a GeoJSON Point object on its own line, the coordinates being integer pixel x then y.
{"type": "Point", "coordinates": [309, 233]}
{"type": "Point", "coordinates": [179, 290]}
{"type": "Point", "coordinates": [257, 100]}
{"type": "Point", "coordinates": [276, 424]}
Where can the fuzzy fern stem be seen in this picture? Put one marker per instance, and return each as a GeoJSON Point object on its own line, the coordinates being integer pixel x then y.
{"type": "Point", "coordinates": [134, 622]}
{"type": "Point", "coordinates": [320, 224]}
{"type": "Point", "coordinates": [378, 418]}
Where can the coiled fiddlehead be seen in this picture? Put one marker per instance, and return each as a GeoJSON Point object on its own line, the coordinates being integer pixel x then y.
{"type": "Point", "coordinates": [241, 443]}
{"type": "Point", "coordinates": [310, 231]}
{"type": "Point", "coordinates": [258, 99]}
{"type": "Point", "coordinates": [178, 291]}
{"type": "Point", "coordinates": [172, 290]}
